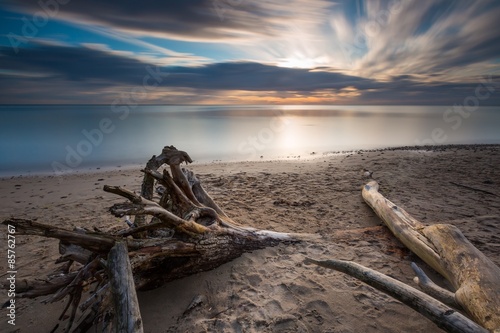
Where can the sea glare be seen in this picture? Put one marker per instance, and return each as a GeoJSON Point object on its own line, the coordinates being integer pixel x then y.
{"type": "Point", "coordinates": [66, 138]}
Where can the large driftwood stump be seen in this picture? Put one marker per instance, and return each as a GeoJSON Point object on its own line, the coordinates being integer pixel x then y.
{"type": "Point", "coordinates": [182, 233]}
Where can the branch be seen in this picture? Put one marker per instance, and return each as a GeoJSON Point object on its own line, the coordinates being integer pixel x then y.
{"type": "Point", "coordinates": [442, 315]}
{"type": "Point", "coordinates": [179, 199]}
{"type": "Point", "coordinates": [91, 241]}
{"type": "Point", "coordinates": [432, 289]}
{"type": "Point", "coordinates": [200, 192]}
{"type": "Point", "coordinates": [36, 288]}
{"type": "Point", "coordinates": [140, 206]}
{"type": "Point", "coordinates": [98, 243]}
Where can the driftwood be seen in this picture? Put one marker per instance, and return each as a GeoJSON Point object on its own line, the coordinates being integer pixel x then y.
{"type": "Point", "coordinates": [474, 276]}
{"type": "Point", "coordinates": [442, 315]}
{"type": "Point", "coordinates": [432, 289]}
{"type": "Point", "coordinates": [128, 316]}
{"type": "Point", "coordinates": [186, 234]}
{"type": "Point", "coordinates": [183, 231]}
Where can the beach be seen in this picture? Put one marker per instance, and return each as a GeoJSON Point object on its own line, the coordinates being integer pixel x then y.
{"type": "Point", "coordinates": [272, 290]}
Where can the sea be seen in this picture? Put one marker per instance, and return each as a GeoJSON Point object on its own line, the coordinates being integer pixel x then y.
{"type": "Point", "coordinates": [60, 139]}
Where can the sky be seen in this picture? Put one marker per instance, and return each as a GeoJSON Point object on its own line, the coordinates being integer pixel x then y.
{"type": "Point", "coordinates": [374, 52]}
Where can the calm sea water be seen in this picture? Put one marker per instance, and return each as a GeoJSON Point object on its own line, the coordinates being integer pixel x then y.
{"type": "Point", "coordinates": [64, 138]}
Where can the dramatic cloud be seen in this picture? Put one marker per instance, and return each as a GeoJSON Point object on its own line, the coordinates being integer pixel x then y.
{"type": "Point", "coordinates": [194, 20]}
{"type": "Point", "coordinates": [429, 37]}
{"type": "Point", "coordinates": [79, 74]}
{"type": "Point", "coordinates": [84, 64]}
{"type": "Point", "coordinates": [241, 51]}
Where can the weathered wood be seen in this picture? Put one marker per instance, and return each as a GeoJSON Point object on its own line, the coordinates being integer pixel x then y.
{"type": "Point", "coordinates": [443, 247]}
{"type": "Point", "coordinates": [151, 270]}
{"type": "Point", "coordinates": [73, 252]}
{"type": "Point", "coordinates": [403, 226]}
{"type": "Point", "coordinates": [169, 155]}
{"type": "Point", "coordinates": [204, 238]}
{"type": "Point", "coordinates": [200, 192]}
{"type": "Point", "coordinates": [432, 289]}
{"type": "Point", "coordinates": [96, 242]}
{"type": "Point", "coordinates": [442, 315]}
{"type": "Point", "coordinates": [143, 206]}
{"type": "Point", "coordinates": [126, 306]}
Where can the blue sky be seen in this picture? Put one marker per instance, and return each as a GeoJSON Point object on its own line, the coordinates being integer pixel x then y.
{"type": "Point", "coordinates": [249, 52]}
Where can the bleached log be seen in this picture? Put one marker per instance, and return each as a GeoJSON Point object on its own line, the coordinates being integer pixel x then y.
{"type": "Point", "coordinates": [443, 247]}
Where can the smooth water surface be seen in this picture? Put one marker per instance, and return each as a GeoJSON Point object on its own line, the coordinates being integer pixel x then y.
{"type": "Point", "coordinates": [55, 138]}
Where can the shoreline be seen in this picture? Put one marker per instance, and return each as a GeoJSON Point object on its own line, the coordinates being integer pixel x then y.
{"type": "Point", "coordinates": [312, 156]}
{"type": "Point", "coordinates": [270, 290]}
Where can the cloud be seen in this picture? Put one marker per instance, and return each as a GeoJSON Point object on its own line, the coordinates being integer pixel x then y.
{"type": "Point", "coordinates": [427, 37]}
{"type": "Point", "coordinates": [260, 77]}
{"type": "Point", "coordinates": [73, 63]}
{"type": "Point", "coordinates": [96, 63]}
{"type": "Point", "coordinates": [51, 73]}
{"type": "Point", "coordinates": [373, 39]}
{"type": "Point", "coordinates": [261, 30]}
{"type": "Point", "coordinates": [188, 20]}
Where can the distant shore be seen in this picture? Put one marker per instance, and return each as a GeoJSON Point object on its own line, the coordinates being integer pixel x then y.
{"type": "Point", "coordinates": [271, 290]}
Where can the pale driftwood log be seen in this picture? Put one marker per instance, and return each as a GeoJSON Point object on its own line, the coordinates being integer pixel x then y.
{"type": "Point", "coordinates": [443, 247]}
{"type": "Point", "coordinates": [204, 237]}
{"type": "Point", "coordinates": [442, 315]}
{"type": "Point", "coordinates": [127, 314]}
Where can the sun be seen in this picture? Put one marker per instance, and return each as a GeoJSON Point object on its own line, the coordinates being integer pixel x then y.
{"type": "Point", "coordinates": [287, 136]}
{"type": "Point", "coordinates": [296, 63]}
{"type": "Point", "coordinates": [301, 61]}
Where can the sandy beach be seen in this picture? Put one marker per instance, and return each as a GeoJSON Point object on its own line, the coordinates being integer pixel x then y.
{"type": "Point", "coordinates": [271, 290]}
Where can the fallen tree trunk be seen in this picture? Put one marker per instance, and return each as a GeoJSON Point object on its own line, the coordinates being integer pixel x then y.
{"type": "Point", "coordinates": [186, 234]}
{"type": "Point", "coordinates": [443, 247]}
